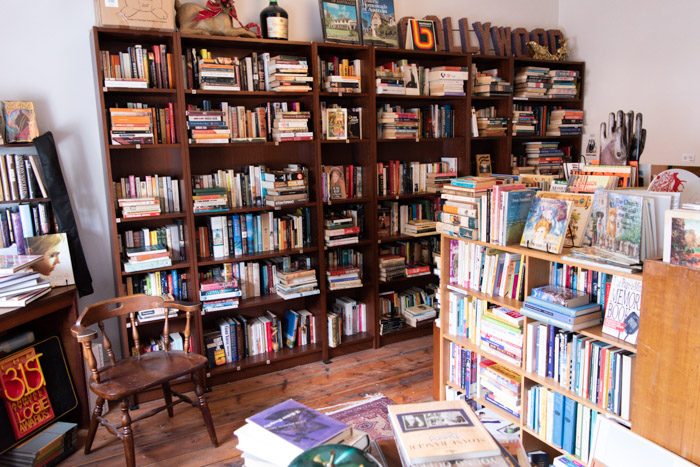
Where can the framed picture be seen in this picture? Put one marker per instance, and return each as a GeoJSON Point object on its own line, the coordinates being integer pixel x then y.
{"type": "Point", "coordinates": [339, 21]}
{"type": "Point", "coordinates": [483, 164]}
{"type": "Point", "coordinates": [379, 23]}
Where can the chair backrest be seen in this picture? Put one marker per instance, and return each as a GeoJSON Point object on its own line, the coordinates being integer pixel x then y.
{"type": "Point", "coordinates": [130, 305]}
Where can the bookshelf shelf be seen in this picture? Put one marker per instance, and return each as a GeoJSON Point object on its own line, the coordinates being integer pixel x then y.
{"type": "Point", "coordinates": [547, 100]}
{"type": "Point", "coordinates": [151, 219]}
{"type": "Point", "coordinates": [143, 147]}
{"type": "Point", "coordinates": [597, 333]}
{"type": "Point", "coordinates": [181, 265]}
{"type": "Point", "coordinates": [26, 200]}
{"type": "Point", "coordinates": [403, 237]}
{"type": "Point", "coordinates": [346, 201]}
{"type": "Point", "coordinates": [252, 209]}
{"type": "Point", "coordinates": [402, 97]}
{"type": "Point", "coordinates": [404, 282]}
{"type": "Point", "coordinates": [455, 139]}
{"type": "Point", "coordinates": [490, 98]}
{"type": "Point", "coordinates": [500, 301]}
{"type": "Point", "coordinates": [247, 143]}
{"type": "Point", "coordinates": [201, 262]}
{"type": "Point", "coordinates": [532, 433]}
{"type": "Point", "coordinates": [502, 413]}
{"type": "Point", "coordinates": [141, 91]}
{"type": "Point", "coordinates": [344, 95]}
{"type": "Point", "coordinates": [405, 196]}
{"type": "Point", "coordinates": [266, 359]}
{"type": "Point", "coordinates": [406, 332]}
{"type": "Point", "coordinates": [16, 145]}
{"type": "Point", "coordinates": [544, 138]}
{"type": "Point", "coordinates": [344, 141]}
{"type": "Point", "coordinates": [244, 94]}
{"type": "Point", "coordinates": [264, 301]}
{"type": "Point", "coordinates": [361, 244]}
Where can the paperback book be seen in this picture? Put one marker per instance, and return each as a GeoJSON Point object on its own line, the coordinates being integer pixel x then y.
{"type": "Point", "coordinates": [546, 225]}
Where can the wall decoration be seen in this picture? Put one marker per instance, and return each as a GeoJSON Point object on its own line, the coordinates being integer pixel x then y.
{"type": "Point", "coordinates": [339, 21]}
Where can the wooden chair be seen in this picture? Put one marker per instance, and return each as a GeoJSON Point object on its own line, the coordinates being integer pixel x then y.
{"type": "Point", "coordinates": [119, 380]}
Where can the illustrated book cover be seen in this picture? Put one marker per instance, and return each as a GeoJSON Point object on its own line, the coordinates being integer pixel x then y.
{"type": "Point", "coordinates": [581, 204]}
{"type": "Point", "coordinates": [682, 238]}
{"type": "Point", "coordinates": [516, 205]}
{"type": "Point", "coordinates": [20, 121]}
{"type": "Point", "coordinates": [378, 23]}
{"type": "Point", "coordinates": [617, 221]}
{"type": "Point", "coordinates": [339, 19]}
{"type": "Point", "coordinates": [622, 309]}
{"type": "Point", "coordinates": [335, 177]}
{"type": "Point", "coordinates": [336, 123]}
{"type": "Point", "coordinates": [420, 35]}
{"type": "Point", "coordinates": [547, 224]}
{"type": "Point", "coordinates": [55, 263]}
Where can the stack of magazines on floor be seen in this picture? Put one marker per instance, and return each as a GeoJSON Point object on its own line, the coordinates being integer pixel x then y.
{"type": "Point", "coordinates": [276, 436]}
{"type": "Point", "coordinates": [19, 285]}
{"type": "Point", "coordinates": [49, 447]}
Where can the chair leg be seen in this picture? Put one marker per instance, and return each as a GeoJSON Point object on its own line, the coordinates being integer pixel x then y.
{"type": "Point", "coordinates": [127, 435]}
{"type": "Point", "coordinates": [94, 423]}
{"type": "Point", "coordinates": [202, 403]}
{"type": "Point", "coordinates": [168, 396]}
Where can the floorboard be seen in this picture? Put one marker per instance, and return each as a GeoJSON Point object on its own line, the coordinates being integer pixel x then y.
{"type": "Point", "coordinates": [402, 371]}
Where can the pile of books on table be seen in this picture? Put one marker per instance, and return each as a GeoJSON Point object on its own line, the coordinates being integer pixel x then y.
{"type": "Point", "coordinates": [276, 436]}
{"type": "Point", "coordinates": [564, 308]}
{"type": "Point", "coordinates": [147, 257]}
{"type": "Point", "coordinates": [219, 293]}
{"type": "Point", "coordinates": [19, 286]}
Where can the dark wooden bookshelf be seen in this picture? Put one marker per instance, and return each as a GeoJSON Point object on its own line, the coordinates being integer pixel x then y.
{"type": "Point", "coordinates": [183, 161]}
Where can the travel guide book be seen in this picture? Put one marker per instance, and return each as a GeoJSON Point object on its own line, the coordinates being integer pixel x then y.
{"type": "Point", "coordinates": [378, 23]}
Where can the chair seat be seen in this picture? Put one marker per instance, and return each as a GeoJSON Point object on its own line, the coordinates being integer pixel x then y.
{"type": "Point", "coordinates": [135, 374]}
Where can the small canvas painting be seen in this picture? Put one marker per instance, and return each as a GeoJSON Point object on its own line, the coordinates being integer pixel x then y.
{"type": "Point", "coordinates": [340, 22]}
{"type": "Point", "coordinates": [20, 121]}
{"type": "Point", "coordinates": [682, 238]}
{"type": "Point", "coordinates": [379, 23]}
{"type": "Point", "coordinates": [547, 224]}
{"type": "Point", "coordinates": [55, 265]}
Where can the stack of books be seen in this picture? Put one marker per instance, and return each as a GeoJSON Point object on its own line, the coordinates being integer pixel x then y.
{"type": "Point", "coordinates": [171, 236]}
{"type": "Point", "coordinates": [147, 257]}
{"type": "Point", "coordinates": [49, 447]}
{"type": "Point", "coordinates": [207, 127]}
{"type": "Point", "coordinates": [353, 315]}
{"type": "Point", "coordinates": [565, 122]}
{"type": "Point", "coordinates": [417, 315]}
{"type": "Point", "coordinates": [209, 200]}
{"type": "Point", "coordinates": [545, 156]}
{"type": "Point", "coordinates": [131, 126]}
{"type": "Point", "coordinates": [531, 81]}
{"type": "Point", "coordinates": [564, 308]}
{"type": "Point", "coordinates": [292, 126]}
{"type": "Point", "coordinates": [289, 73]}
{"type": "Point", "coordinates": [524, 122]}
{"type": "Point", "coordinates": [501, 334]}
{"type": "Point", "coordinates": [563, 84]}
{"type": "Point", "coordinates": [447, 80]}
{"type": "Point", "coordinates": [218, 74]}
{"type": "Point", "coordinates": [488, 83]}
{"type": "Point", "coordinates": [398, 123]}
{"type": "Point", "coordinates": [138, 67]}
{"type": "Point", "coordinates": [391, 267]}
{"type": "Point", "coordinates": [488, 123]}
{"type": "Point", "coordinates": [220, 293]}
{"type": "Point", "coordinates": [154, 314]}
{"type": "Point", "coordinates": [500, 386]}
{"type": "Point", "coordinates": [419, 228]}
{"type": "Point", "coordinates": [465, 204]}
{"type": "Point", "coordinates": [19, 287]}
{"type": "Point", "coordinates": [139, 207]}
{"type": "Point", "coordinates": [341, 75]}
{"type": "Point", "coordinates": [344, 269]}
{"type": "Point", "coordinates": [342, 228]}
{"type": "Point", "coordinates": [276, 436]}
{"type": "Point", "coordinates": [390, 79]}
{"type": "Point", "coordinates": [296, 282]}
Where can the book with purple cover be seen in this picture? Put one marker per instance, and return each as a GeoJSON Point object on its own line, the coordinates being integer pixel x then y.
{"type": "Point", "coordinates": [298, 425]}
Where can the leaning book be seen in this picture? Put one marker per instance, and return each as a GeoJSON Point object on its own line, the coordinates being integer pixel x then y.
{"type": "Point", "coordinates": [682, 238]}
{"type": "Point", "coordinates": [443, 431]}
{"type": "Point", "coordinates": [547, 224]}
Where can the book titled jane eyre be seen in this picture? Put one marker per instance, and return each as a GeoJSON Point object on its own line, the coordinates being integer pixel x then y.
{"type": "Point", "coordinates": [298, 425]}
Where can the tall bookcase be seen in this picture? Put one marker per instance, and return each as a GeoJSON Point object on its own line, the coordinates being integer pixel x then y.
{"type": "Point", "coordinates": [182, 160]}
{"type": "Point", "coordinates": [537, 267]}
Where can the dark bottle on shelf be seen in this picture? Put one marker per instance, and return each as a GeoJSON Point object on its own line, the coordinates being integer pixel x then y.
{"type": "Point", "coordinates": [274, 21]}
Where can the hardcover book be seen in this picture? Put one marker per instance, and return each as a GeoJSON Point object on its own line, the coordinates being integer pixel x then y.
{"type": "Point", "coordinates": [439, 432]}
{"type": "Point", "coordinates": [546, 225]}
{"type": "Point", "coordinates": [581, 203]}
{"type": "Point", "coordinates": [682, 238]}
{"type": "Point", "coordinates": [20, 121]}
{"type": "Point", "coordinates": [55, 264]}
{"type": "Point", "coordinates": [516, 205]}
{"type": "Point", "coordinates": [617, 221]}
{"type": "Point", "coordinates": [420, 35]}
{"type": "Point", "coordinates": [336, 182]}
{"type": "Point", "coordinates": [622, 310]}
{"type": "Point", "coordinates": [340, 21]}
{"type": "Point", "coordinates": [378, 23]}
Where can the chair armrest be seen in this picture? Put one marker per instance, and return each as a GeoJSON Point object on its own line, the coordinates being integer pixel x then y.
{"type": "Point", "coordinates": [83, 334]}
{"type": "Point", "coordinates": [191, 307]}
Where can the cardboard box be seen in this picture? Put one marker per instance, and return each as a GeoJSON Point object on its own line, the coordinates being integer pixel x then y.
{"type": "Point", "coordinates": [149, 14]}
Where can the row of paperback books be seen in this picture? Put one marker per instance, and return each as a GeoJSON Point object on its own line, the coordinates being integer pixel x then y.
{"type": "Point", "coordinates": [486, 122]}
{"type": "Point", "coordinates": [159, 283]}
{"type": "Point", "coordinates": [139, 123]}
{"type": "Point", "coordinates": [345, 267]}
{"type": "Point", "coordinates": [397, 177]}
{"type": "Point", "coordinates": [342, 182]}
{"type": "Point", "coordinates": [347, 318]}
{"type": "Point", "coordinates": [542, 82]}
{"type": "Point", "coordinates": [273, 121]}
{"type": "Point", "coordinates": [500, 333]}
{"type": "Point", "coordinates": [410, 79]}
{"type": "Point", "coordinates": [253, 185]}
{"type": "Point", "coordinates": [157, 248]}
{"type": "Point", "coordinates": [343, 227]}
{"type": "Point", "coordinates": [341, 75]}
{"type": "Point", "coordinates": [434, 121]}
{"type": "Point", "coordinates": [219, 291]}
{"type": "Point", "coordinates": [18, 223]}
{"type": "Point", "coordinates": [402, 218]}
{"type": "Point", "coordinates": [589, 368]}
{"type": "Point", "coordinates": [486, 270]}
{"type": "Point", "coordinates": [21, 178]}
{"type": "Point", "coordinates": [500, 386]}
{"type": "Point", "coordinates": [249, 234]}
{"type": "Point", "coordinates": [255, 72]}
{"type": "Point", "coordinates": [561, 421]}
{"type": "Point", "coordinates": [138, 67]}
{"type": "Point", "coordinates": [545, 120]}
{"type": "Point", "coordinates": [462, 370]}
{"type": "Point", "coordinates": [147, 196]}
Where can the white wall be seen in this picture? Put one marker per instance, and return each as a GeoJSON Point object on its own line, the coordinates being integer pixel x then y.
{"type": "Point", "coordinates": [641, 56]}
{"type": "Point", "coordinates": [47, 59]}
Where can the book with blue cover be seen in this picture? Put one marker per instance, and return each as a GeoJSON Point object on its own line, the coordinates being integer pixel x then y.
{"type": "Point", "coordinates": [538, 304]}
{"type": "Point", "coordinates": [516, 205]}
{"type": "Point", "coordinates": [291, 323]}
{"type": "Point", "coordinates": [237, 236]}
{"type": "Point", "coordinates": [557, 432]}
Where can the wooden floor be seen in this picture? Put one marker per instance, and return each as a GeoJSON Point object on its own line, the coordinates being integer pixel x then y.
{"type": "Point", "coordinates": [402, 372]}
